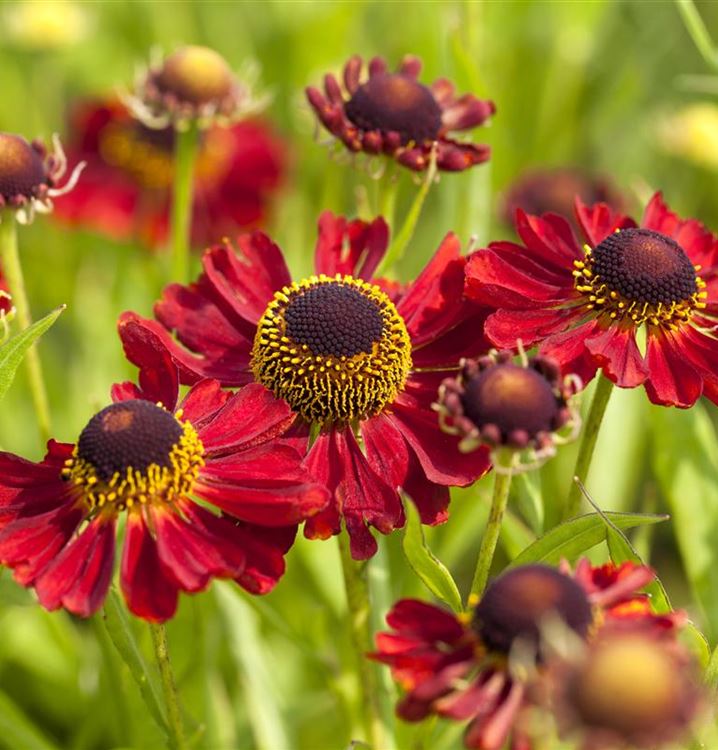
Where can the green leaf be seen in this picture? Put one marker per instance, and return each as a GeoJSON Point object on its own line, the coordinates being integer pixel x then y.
{"type": "Point", "coordinates": [685, 460]}
{"type": "Point", "coordinates": [258, 694]}
{"type": "Point", "coordinates": [432, 572]}
{"type": "Point", "coordinates": [17, 731]}
{"type": "Point", "coordinates": [529, 500]}
{"type": "Point", "coordinates": [13, 351]}
{"type": "Point", "coordinates": [120, 631]}
{"type": "Point", "coordinates": [571, 539]}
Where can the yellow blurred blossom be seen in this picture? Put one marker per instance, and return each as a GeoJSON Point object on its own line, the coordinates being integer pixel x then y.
{"type": "Point", "coordinates": [692, 133]}
{"type": "Point", "coordinates": [45, 24]}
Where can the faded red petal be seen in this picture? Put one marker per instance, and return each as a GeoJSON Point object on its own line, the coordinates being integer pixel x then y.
{"type": "Point", "coordinates": [426, 621]}
{"type": "Point", "coordinates": [150, 593]}
{"type": "Point", "coordinates": [79, 576]}
{"type": "Point", "coordinates": [355, 248]}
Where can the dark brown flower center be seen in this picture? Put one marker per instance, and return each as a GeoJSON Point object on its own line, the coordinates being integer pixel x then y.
{"type": "Point", "coordinates": [130, 434]}
{"type": "Point", "coordinates": [512, 398]}
{"type": "Point", "coordinates": [195, 75]}
{"type": "Point", "coordinates": [334, 319]}
{"type": "Point", "coordinates": [335, 348]}
{"type": "Point", "coordinates": [645, 266]}
{"type": "Point", "coordinates": [22, 169]}
{"type": "Point", "coordinates": [518, 603]}
{"type": "Point", "coordinates": [396, 102]}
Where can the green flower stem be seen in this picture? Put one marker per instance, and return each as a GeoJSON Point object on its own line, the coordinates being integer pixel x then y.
{"type": "Point", "coordinates": [604, 387]}
{"type": "Point", "coordinates": [386, 204]}
{"type": "Point", "coordinates": [357, 591]}
{"type": "Point", "coordinates": [13, 273]}
{"type": "Point", "coordinates": [698, 31]}
{"type": "Point", "coordinates": [499, 501]}
{"type": "Point", "coordinates": [169, 688]}
{"type": "Point", "coordinates": [403, 237]}
{"type": "Point", "coordinates": [185, 153]}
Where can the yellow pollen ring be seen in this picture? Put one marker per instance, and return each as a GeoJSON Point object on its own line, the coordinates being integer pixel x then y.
{"type": "Point", "coordinates": [153, 484]}
{"type": "Point", "coordinates": [604, 301]}
{"type": "Point", "coordinates": [326, 388]}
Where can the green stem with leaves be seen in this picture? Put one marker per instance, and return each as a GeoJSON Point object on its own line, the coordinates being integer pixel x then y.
{"type": "Point", "coordinates": [592, 425]}
{"type": "Point", "coordinates": [359, 610]}
{"type": "Point", "coordinates": [185, 153]}
{"type": "Point", "coordinates": [169, 688]}
{"type": "Point", "coordinates": [499, 501]}
{"type": "Point", "coordinates": [12, 269]}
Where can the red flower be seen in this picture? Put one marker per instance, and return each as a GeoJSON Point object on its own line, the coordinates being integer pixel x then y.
{"type": "Point", "coordinates": [394, 114]}
{"type": "Point", "coordinates": [58, 517]}
{"type": "Point", "coordinates": [5, 296]}
{"type": "Point", "coordinates": [461, 668]}
{"type": "Point", "coordinates": [585, 306]}
{"type": "Point", "coordinates": [355, 363]}
{"type": "Point", "coordinates": [125, 189]}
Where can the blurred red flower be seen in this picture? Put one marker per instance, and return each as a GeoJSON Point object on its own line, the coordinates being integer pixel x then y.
{"type": "Point", "coordinates": [125, 189]}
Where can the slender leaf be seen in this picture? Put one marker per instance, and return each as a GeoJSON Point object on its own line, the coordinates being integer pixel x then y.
{"type": "Point", "coordinates": [13, 351]}
{"type": "Point", "coordinates": [685, 459]}
{"type": "Point", "coordinates": [17, 731]}
{"type": "Point", "coordinates": [432, 572]}
{"type": "Point", "coordinates": [529, 500]}
{"type": "Point", "coordinates": [120, 632]}
{"type": "Point", "coordinates": [259, 696]}
{"type": "Point", "coordinates": [571, 539]}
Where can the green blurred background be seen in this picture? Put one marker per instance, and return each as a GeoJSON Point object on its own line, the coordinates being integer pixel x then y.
{"type": "Point", "coordinates": [591, 84]}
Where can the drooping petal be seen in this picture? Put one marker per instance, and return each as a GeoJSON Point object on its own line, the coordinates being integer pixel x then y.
{"type": "Point", "coordinates": [672, 380]}
{"type": "Point", "coordinates": [150, 593]}
{"type": "Point", "coordinates": [79, 576]}
{"type": "Point", "coordinates": [615, 349]}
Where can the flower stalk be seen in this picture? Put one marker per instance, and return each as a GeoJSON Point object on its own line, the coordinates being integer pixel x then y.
{"type": "Point", "coordinates": [169, 687]}
{"type": "Point", "coordinates": [499, 501]}
{"type": "Point", "coordinates": [13, 273]}
{"type": "Point", "coordinates": [359, 606]}
{"type": "Point", "coordinates": [185, 154]}
{"type": "Point", "coordinates": [604, 387]}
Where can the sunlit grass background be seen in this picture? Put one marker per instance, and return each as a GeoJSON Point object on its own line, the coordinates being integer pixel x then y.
{"type": "Point", "coordinates": [575, 83]}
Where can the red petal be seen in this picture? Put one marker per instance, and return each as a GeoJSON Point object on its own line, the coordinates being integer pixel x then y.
{"type": "Point", "coordinates": [434, 302]}
{"type": "Point", "coordinates": [672, 381]}
{"type": "Point", "coordinates": [456, 156]}
{"type": "Point", "coordinates": [355, 248]}
{"type": "Point", "coordinates": [149, 591]}
{"type": "Point", "coordinates": [616, 351]}
{"type": "Point", "coordinates": [426, 621]}
{"type": "Point", "coordinates": [362, 496]}
{"type": "Point", "coordinates": [506, 327]}
{"type": "Point", "coordinates": [249, 417]}
{"type": "Point", "coordinates": [550, 237]}
{"type": "Point", "coordinates": [78, 578]}
{"type": "Point", "coordinates": [202, 402]}
{"type": "Point", "coordinates": [466, 339]}
{"type": "Point", "coordinates": [265, 550]}
{"type": "Point", "coordinates": [569, 350]}
{"type": "Point", "coordinates": [600, 220]}
{"type": "Point", "coordinates": [158, 378]}
{"type": "Point", "coordinates": [437, 452]}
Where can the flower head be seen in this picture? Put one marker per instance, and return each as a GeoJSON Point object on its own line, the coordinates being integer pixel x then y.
{"type": "Point", "coordinates": [503, 405]}
{"type": "Point", "coordinates": [192, 84]}
{"type": "Point", "coordinates": [126, 187]}
{"type": "Point", "coordinates": [626, 689]}
{"type": "Point", "coordinates": [482, 668]}
{"type": "Point", "coordinates": [395, 114]}
{"type": "Point", "coordinates": [355, 358]}
{"type": "Point", "coordinates": [585, 306]}
{"type": "Point", "coordinates": [29, 176]}
{"type": "Point", "coordinates": [152, 459]}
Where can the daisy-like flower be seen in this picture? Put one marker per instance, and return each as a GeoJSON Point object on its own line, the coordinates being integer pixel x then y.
{"type": "Point", "coordinates": [627, 689]}
{"type": "Point", "coordinates": [29, 176]}
{"type": "Point", "coordinates": [126, 186]}
{"type": "Point", "coordinates": [356, 359]}
{"type": "Point", "coordinates": [478, 668]}
{"type": "Point", "coordinates": [191, 85]}
{"type": "Point", "coordinates": [585, 306]}
{"type": "Point", "coordinates": [394, 114]}
{"type": "Point", "coordinates": [504, 405]}
{"type": "Point", "coordinates": [151, 459]}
